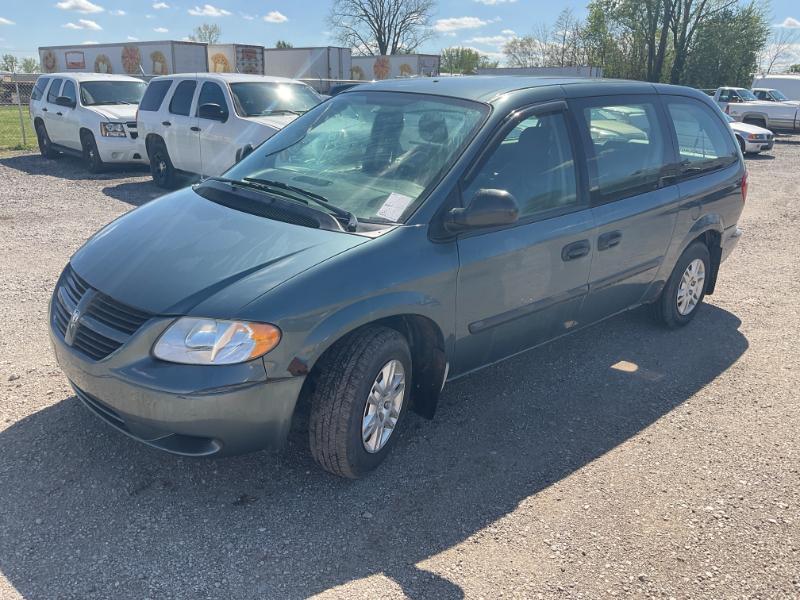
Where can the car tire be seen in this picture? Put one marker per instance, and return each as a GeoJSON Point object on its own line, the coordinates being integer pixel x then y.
{"type": "Point", "coordinates": [350, 399]}
{"type": "Point", "coordinates": [45, 145]}
{"type": "Point", "coordinates": [161, 168]}
{"type": "Point", "coordinates": [686, 287]}
{"type": "Point", "coordinates": [91, 155]}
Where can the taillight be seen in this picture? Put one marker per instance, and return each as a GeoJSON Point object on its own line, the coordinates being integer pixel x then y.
{"type": "Point", "coordinates": [744, 187]}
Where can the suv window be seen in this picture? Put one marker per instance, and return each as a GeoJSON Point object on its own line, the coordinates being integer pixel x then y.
{"type": "Point", "coordinates": [38, 89]}
{"type": "Point", "coordinates": [154, 95]}
{"type": "Point", "coordinates": [181, 102]}
{"type": "Point", "coordinates": [534, 163]}
{"type": "Point", "coordinates": [69, 90]}
{"type": "Point", "coordinates": [627, 152]}
{"type": "Point", "coordinates": [704, 141]}
{"type": "Point", "coordinates": [211, 93]}
{"type": "Point", "coordinates": [52, 94]}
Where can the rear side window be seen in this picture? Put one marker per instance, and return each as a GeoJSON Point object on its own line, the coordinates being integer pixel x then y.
{"type": "Point", "coordinates": [211, 93]}
{"type": "Point", "coordinates": [534, 164]}
{"type": "Point", "coordinates": [704, 141]}
{"type": "Point", "coordinates": [38, 89]}
{"type": "Point", "coordinates": [154, 95]}
{"type": "Point", "coordinates": [69, 90]}
{"type": "Point", "coordinates": [52, 93]}
{"type": "Point", "coordinates": [628, 148]}
{"type": "Point", "coordinates": [181, 102]}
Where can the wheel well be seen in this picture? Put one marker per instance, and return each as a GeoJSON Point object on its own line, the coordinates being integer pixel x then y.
{"type": "Point", "coordinates": [428, 360]}
{"type": "Point", "coordinates": [713, 241]}
{"type": "Point", "coordinates": [84, 132]}
{"type": "Point", "coordinates": [38, 121]}
{"type": "Point", "coordinates": [150, 140]}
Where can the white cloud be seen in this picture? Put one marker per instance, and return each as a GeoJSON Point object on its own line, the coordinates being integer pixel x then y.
{"type": "Point", "coordinates": [149, 17]}
{"type": "Point", "coordinates": [508, 32]}
{"type": "Point", "coordinates": [161, 30]}
{"type": "Point", "coordinates": [247, 17]}
{"type": "Point", "coordinates": [81, 6]}
{"type": "Point", "coordinates": [275, 17]}
{"type": "Point", "coordinates": [790, 23]}
{"type": "Point", "coordinates": [88, 43]}
{"type": "Point", "coordinates": [6, 21]}
{"type": "Point", "coordinates": [498, 41]}
{"type": "Point", "coordinates": [132, 39]}
{"type": "Point", "coordinates": [83, 24]}
{"type": "Point", "coordinates": [160, 5]}
{"type": "Point", "coordinates": [118, 13]}
{"type": "Point", "coordinates": [207, 10]}
{"type": "Point", "coordinates": [455, 23]}
{"type": "Point", "coordinates": [494, 2]}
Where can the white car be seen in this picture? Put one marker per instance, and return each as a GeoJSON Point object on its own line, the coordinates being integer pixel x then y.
{"type": "Point", "coordinates": [91, 115]}
{"type": "Point", "coordinates": [203, 123]}
{"type": "Point", "coordinates": [752, 139]}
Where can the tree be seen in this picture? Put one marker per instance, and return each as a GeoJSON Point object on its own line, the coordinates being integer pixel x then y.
{"type": "Point", "coordinates": [30, 65]}
{"type": "Point", "coordinates": [687, 18]}
{"type": "Point", "coordinates": [9, 62]}
{"type": "Point", "coordinates": [529, 50]}
{"type": "Point", "coordinates": [781, 41]}
{"type": "Point", "coordinates": [794, 68]}
{"type": "Point", "coordinates": [382, 26]}
{"type": "Point", "coordinates": [207, 33]}
{"type": "Point", "coordinates": [464, 61]}
{"type": "Point", "coordinates": [283, 44]}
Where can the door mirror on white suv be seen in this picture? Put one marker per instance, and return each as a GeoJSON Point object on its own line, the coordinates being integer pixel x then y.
{"type": "Point", "coordinates": [213, 111]}
{"type": "Point", "coordinates": [65, 101]}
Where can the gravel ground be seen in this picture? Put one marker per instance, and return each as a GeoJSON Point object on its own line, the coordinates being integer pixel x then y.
{"type": "Point", "coordinates": [549, 475]}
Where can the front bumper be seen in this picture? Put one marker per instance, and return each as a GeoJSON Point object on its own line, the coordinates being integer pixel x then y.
{"type": "Point", "coordinates": [758, 146]}
{"type": "Point", "coordinates": [188, 410]}
{"type": "Point", "coordinates": [121, 149]}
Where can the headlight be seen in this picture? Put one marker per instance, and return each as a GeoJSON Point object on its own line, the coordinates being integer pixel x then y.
{"type": "Point", "coordinates": [195, 341]}
{"type": "Point", "coordinates": [112, 130]}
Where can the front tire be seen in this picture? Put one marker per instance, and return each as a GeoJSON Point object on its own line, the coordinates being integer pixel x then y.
{"type": "Point", "coordinates": [45, 145]}
{"type": "Point", "coordinates": [161, 168]}
{"type": "Point", "coordinates": [91, 156]}
{"type": "Point", "coordinates": [358, 401]}
{"type": "Point", "coordinates": [686, 287]}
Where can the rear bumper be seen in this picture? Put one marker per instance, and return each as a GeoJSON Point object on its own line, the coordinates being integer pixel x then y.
{"type": "Point", "coordinates": [188, 410]}
{"type": "Point", "coordinates": [730, 239]}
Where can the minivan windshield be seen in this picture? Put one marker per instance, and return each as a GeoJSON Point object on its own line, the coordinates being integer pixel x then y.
{"type": "Point", "coordinates": [95, 93]}
{"type": "Point", "coordinates": [371, 153]}
{"type": "Point", "coordinates": [258, 99]}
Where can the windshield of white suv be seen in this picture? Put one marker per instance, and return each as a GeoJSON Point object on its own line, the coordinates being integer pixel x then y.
{"type": "Point", "coordinates": [374, 154]}
{"type": "Point", "coordinates": [258, 99]}
{"type": "Point", "coordinates": [96, 93]}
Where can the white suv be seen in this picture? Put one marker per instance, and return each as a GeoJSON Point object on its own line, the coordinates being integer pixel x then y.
{"type": "Point", "coordinates": [203, 123]}
{"type": "Point", "coordinates": [91, 115]}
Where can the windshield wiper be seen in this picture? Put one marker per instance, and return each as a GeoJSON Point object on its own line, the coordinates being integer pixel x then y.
{"type": "Point", "coordinates": [345, 215]}
{"type": "Point", "coordinates": [282, 111]}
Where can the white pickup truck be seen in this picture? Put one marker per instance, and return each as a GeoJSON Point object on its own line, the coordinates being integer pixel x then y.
{"type": "Point", "coordinates": [744, 106]}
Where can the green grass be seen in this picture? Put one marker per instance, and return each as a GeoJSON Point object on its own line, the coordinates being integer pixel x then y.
{"type": "Point", "coordinates": [10, 134]}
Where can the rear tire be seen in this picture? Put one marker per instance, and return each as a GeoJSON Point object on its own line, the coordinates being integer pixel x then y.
{"type": "Point", "coordinates": [45, 145]}
{"type": "Point", "coordinates": [358, 401]}
{"type": "Point", "coordinates": [161, 168]}
{"type": "Point", "coordinates": [91, 156]}
{"type": "Point", "coordinates": [685, 289]}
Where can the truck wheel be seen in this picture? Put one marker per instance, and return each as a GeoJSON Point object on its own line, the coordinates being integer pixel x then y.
{"type": "Point", "coordinates": [45, 145]}
{"type": "Point", "coordinates": [91, 156]}
{"type": "Point", "coordinates": [358, 401]}
{"type": "Point", "coordinates": [684, 292]}
{"type": "Point", "coordinates": [161, 167]}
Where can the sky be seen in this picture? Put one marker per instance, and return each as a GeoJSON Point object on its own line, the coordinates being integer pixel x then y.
{"type": "Point", "coordinates": [482, 24]}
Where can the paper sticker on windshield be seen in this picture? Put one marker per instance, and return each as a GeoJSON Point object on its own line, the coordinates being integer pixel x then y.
{"type": "Point", "coordinates": [394, 206]}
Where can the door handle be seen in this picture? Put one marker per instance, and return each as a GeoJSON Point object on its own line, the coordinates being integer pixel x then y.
{"type": "Point", "coordinates": [60, 114]}
{"type": "Point", "coordinates": [609, 240]}
{"type": "Point", "coordinates": [44, 109]}
{"type": "Point", "coordinates": [166, 123]}
{"type": "Point", "coordinates": [575, 250]}
{"type": "Point", "coordinates": [194, 128]}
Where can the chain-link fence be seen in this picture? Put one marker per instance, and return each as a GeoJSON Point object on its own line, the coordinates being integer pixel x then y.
{"type": "Point", "coordinates": [16, 130]}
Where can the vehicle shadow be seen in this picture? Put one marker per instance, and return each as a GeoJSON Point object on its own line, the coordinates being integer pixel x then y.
{"type": "Point", "coordinates": [68, 167]}
{"type": "Point", "coordinates": [89, 513]}
{"type": "Point", "coordinates": [134, 193]}
{"type": "Point", "coordinates": [760, 156]}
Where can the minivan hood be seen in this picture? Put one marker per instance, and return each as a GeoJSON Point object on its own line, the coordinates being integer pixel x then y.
{"type": "Point", "coordinates": [116, 112]}
{"type": "Point", "coordinates": [183, 252]}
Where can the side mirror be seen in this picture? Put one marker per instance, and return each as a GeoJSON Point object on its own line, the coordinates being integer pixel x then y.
{"type": "Point", "coordinates": [488, 208]}
{"type": "Point", "coordinates": [213, 112]}
{"type": "Point", "coordinates": [65, 101]}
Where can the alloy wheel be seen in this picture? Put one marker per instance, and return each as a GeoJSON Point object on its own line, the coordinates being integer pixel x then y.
{"type": "Point", "coordinates": [383, 406]}
{"type": "Point", "coordinates": [691, 286]}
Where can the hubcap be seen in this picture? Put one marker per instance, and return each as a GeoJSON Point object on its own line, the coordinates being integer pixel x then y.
{"type": "Point", "coordinates": [383, 406]}
{"type": "Point", "coordinates": [162, 167]}
{"type": "Point", "coordinates": [691, 286]}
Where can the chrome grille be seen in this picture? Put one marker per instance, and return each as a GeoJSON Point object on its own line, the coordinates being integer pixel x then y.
{"type": "Point", "coordinates": [101, 324]}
